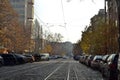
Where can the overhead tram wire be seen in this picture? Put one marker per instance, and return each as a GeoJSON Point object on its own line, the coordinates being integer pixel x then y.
{"type": "Point", "coordinates": [39, 18]}
{"type": "Point", "coordinates": [63, 12]}
{"type": "Point", "coordinates": [46, 24]}
{"type": "Point", "coordinates": [43, 23]}
{"type": "Point", "coordinates": [64, 18]}
{"type": "Point", "coordinates": [58, 24]}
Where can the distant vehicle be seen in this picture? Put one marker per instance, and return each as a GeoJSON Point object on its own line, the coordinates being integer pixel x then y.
{"type": "Point", "coordinates": [53, 57]}
{"type": "Point", "coordinates": [76, 57]}
{"type": "Point", "coordinates": [45, 56]}
{"type": "Point", "coordinates": [65, 57]}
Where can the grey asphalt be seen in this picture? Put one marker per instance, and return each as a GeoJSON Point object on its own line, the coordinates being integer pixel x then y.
{"type": "Point", "coordinates": [61, 69]}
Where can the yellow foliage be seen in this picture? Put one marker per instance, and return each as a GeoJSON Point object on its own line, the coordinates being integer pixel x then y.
{"type": "Point", "coordinates": [47, 48]}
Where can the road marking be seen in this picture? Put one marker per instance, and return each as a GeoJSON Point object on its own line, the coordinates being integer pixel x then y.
{"type": "Point", "coordinates": [24, 70]}
{"type": "Point", "coordinates": [54, 71]}
{"type": "Point", "coordinates": [68, 72]}
{"type": "Point", "coordinates": [28, 67]}
{"type": "Point", "coordinates": [75, 71]}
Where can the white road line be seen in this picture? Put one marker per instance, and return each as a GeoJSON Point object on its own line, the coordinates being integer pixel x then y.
{"type": "Point", "coordinates": [28, 67]}
{"type": "Point", "coordinates": [68, 76]}
{"type": "Point", "coordinates": [75, 71]}
{"type": "Point", "coordinates": [54, 71]}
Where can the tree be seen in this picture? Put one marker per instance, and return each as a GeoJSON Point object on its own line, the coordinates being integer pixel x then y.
{"type": "Point", "coordinates": [77, 48]}
{"type": "Point", "coordinates": [12, 35]}
{"type": "Point", "coordinates": [118, 11]}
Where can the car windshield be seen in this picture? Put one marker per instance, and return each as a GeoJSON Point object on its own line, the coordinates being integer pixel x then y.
{"type": "Point", "coordinates": [59, 39]}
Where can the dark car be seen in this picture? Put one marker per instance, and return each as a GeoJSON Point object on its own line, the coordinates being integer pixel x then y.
{"type": "Point", "coordinates": [9, 59]}
{"type": "Point", "coordinates": [111, 71]}
{"type": "Point", "coordinates": [20, 58]}
{"type": "Point", "coordinates": [119, 67]}
{"type": "Point", "coordinates": [76, 57]}
{"type": "Point", "coordinates": [1, 61]}
{"type": "Point", "coordinates": [84, 59]}
{"type": "Point", "coordinates": [37, 57]}
{"type": "Point", "coordinates": [29, 58]}
{"type": "Point", "coordinates": [95, 63]}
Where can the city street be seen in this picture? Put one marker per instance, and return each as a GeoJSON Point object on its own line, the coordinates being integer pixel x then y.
{"type": "Point", "coordinates": [49, 70]}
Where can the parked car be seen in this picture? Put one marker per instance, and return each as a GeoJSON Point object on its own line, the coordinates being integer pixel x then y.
{"type": "Point", "coordinates": [37, 57]}
{"type": "Point", "coordinates": [95, 63]}
{"type": "Point", "coordinates": [81, 59]}
{"type": "Point", "coordinates": [76, 57]}
{"type": "Point", "coordinates": [45, 56]}
{"type": "Point", "coordinates": [1, 61]}
{"type": "Point", "coordinates": [84, 59]}
{"type": "Point", "coordinates": [103, 63]}
{"type": "Point", "coordinates": [89, 60]}
{"type": "Point", "coordinates": [9, 59]}
{"type": "Point", "coordinates": [53, 57]}
{"type": "Point", "coordinates": [111, 72]}
{"type": "Point", "coordinates": [29, 57]}
{"type": "Point", "coordinates": [20, 58]}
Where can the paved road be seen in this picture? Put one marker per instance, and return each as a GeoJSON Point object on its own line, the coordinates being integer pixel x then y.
{"type": "Point", "coordinates": [49, 70]}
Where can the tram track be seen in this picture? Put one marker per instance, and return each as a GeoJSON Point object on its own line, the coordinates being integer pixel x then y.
{"type": "Point", "coordinates": [59, 73]}
{"type": "Point", "coordinates": [51, 70]}
{"type": "Point", "coordinates": [10, 74]}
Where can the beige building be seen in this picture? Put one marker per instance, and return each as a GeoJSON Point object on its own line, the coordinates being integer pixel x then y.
{"type": "Point", "coordinates": [112, 13]}
{"type": "Point", "coordinates": [112, 20]}
{"type": "Point", "coordinates": [25, 11]}
{"type": "Point", "coordinates": [97, 19]}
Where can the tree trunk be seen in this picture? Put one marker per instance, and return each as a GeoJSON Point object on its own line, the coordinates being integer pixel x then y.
{"type": "Point", "coordinates": [118, 9]}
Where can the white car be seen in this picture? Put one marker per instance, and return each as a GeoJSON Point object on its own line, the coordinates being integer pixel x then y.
{"type": "Point", "coordinates": [45, 56]}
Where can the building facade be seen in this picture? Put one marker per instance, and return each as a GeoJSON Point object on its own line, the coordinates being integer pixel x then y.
{"type": "Point", "coordinates": [112, 13]}
{"type": "Point", "coordinates": [112, 20]}
{"type": "Point", "coordinates": [25, 11]}
{"type": "Point", "coordinates": [97, 19]}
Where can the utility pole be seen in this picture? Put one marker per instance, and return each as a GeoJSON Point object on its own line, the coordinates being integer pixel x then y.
{"type": "Point", "coordinates": [41, 38]}
{"type": "Point", "coordinates": [38, 32]}
{"type": "Point", "coordinates": [38, 40]}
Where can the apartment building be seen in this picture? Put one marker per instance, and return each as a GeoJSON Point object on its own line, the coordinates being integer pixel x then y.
{"type": "Point", "coordinates": [97, 19]}
{"type": "Point", "coordinates": [25, 11]}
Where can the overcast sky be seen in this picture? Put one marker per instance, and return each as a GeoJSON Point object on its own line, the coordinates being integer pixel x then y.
{"type": "Point", "coordinates": [77, 14]}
